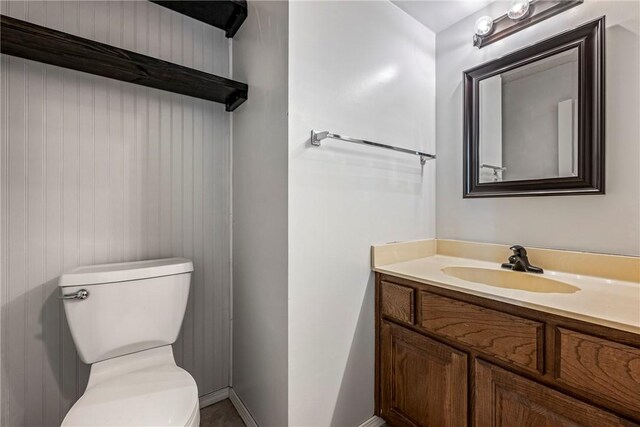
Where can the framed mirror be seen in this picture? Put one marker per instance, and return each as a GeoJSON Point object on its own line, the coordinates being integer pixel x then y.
{"type": "Point", "coordinates": [534, 119]}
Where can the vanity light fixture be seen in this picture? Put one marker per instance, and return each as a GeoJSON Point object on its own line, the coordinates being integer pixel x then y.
{"type": "Point", "coordinates": [521, 14]}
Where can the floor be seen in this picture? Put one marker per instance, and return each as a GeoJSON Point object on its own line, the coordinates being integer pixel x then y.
{"type": "Point", "coordinates": [221, 414]}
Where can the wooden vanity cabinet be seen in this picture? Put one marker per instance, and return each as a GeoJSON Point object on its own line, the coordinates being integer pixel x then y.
{"type": "Point", "coordinates": [446, 358]}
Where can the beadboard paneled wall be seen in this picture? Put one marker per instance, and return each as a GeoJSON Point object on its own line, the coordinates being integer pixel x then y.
{"type": "Point", "coordinates": [94, 171]}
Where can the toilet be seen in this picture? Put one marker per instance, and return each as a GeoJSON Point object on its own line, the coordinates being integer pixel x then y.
{"type": "Point", "coordinates": [123, 318]}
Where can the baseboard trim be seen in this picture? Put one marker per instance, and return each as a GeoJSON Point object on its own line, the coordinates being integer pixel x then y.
{"type": "Point", "coordinates": [214, 397]}
{"type": "Point", "coordinates": [242, 410]}
{"type": "Point", "coordinates": [229, 393]}
{"type": "Point", "coordinates": [374, 421]}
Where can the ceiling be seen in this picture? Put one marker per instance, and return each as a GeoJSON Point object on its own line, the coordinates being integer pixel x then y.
{"type": "Point", "coordinates": [440, 14]}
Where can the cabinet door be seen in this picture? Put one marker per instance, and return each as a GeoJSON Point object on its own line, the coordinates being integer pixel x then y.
{"type": "Point", "coordinates": [504, 399]}
{"type": "Point", "coordinates": [423, 382]}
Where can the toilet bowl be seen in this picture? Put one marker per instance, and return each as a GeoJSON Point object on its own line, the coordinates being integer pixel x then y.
{"type": "Point", "coordinates": [123, 319]}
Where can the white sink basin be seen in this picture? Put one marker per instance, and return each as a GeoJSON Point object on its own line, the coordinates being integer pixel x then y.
{"type": "Point", "coordinates": [511, 280]}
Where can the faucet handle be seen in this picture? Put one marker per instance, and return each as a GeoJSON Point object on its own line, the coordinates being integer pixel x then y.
{"type": "Point", "coordinates": [518, 250]}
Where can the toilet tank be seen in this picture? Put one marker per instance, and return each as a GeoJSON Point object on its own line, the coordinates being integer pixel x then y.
{"type": "Point", "coordinates": [130, 307]}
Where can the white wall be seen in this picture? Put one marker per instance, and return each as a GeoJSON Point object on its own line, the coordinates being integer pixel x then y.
{"type": "Point", "coordinates": [364, 69]}
{"type": "Point", "coordinates": [260, 218]}
{"type": "Point", "coordinates": [94, 171]}
{"type": "Point", "coordinates": [530, 120]}
{"type": "Point", "coordinates": [490, 117]}
{"type": "Point", "coordinates": [605, 223]}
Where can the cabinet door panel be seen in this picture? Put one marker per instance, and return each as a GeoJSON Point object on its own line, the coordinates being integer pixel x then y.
{"type": "Point", "coordinates": [423, 382]}
{"type": "Point", "coordinates": [504, 399]}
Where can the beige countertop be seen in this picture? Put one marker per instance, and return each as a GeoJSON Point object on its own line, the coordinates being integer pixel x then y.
{"type": "Point", "coordinates": [599, 300]}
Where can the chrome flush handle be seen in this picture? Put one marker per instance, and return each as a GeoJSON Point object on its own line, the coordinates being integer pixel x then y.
{"type": "Point", "coordinates": [81, 294]}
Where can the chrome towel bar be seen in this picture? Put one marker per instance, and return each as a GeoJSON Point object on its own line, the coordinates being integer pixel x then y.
{"type": "Point", "coordinates": [316, 137]}
{"type": "Point", "coordinates": [495, 168]}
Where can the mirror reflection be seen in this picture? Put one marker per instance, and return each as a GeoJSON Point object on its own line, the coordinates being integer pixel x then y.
{"type": "Point", "coordinates": [528, 119]}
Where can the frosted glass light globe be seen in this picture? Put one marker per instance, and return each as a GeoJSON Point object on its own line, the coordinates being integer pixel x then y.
{"type": "Point", "coordinates": [483, 25]}
{"type": "Point", "coordinates": [518, 9]}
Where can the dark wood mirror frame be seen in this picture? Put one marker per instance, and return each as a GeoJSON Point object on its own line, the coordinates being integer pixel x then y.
{"type": "Point", "coordinates": [589, 40]}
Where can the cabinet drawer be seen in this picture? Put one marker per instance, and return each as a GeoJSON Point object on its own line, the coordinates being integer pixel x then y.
{"type": "Point", "coordinates": [509, 338]}
{"type": "Point", "coordinates": [600, 368]}
{"type": "Point", "coordinates": [397, 302]}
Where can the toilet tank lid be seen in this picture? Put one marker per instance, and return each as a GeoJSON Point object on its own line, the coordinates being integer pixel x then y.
{"type": "Point", "coordinates": [125, 271]}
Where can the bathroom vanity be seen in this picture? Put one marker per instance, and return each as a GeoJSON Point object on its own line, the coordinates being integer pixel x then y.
{"type": "Point", "coordinates": [452, 352]}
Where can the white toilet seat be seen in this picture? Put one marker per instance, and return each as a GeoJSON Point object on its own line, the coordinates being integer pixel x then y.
{"type": "Point", "coordinates": [141, 389]}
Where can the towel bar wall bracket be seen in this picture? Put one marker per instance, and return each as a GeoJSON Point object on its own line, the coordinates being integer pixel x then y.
{"type": "Point", "coordinates": [317, 137]}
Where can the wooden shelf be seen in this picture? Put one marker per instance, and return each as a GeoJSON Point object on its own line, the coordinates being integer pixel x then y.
{"type": "Point", "coordinates": [227, 15]}
{"type": "Point", "coordinates": [30, 41]}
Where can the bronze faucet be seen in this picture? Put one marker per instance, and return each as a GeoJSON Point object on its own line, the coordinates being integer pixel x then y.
{"type": "Point", "coordinates": [520, 262]}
